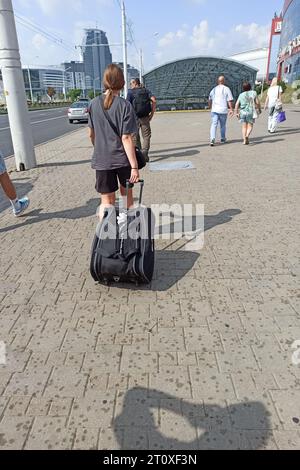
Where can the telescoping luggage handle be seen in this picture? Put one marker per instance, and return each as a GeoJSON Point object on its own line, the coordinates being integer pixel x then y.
{"type": "Point", "coordinates": [130, 186]}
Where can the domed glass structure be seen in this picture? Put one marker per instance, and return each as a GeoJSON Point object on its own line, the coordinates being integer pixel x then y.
{"type": "Point", "coordinates": [186, 83]}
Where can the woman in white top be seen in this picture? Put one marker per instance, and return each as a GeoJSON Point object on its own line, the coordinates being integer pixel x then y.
{"type": "Point", "coordinates": [274, 104]}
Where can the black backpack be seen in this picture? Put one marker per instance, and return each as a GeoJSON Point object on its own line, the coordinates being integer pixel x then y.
{"type": "Point", "coordinates": [142, 103]}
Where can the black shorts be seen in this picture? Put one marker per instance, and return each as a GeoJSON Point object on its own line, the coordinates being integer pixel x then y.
{"type": "Point", "coordinates": [107, 181]}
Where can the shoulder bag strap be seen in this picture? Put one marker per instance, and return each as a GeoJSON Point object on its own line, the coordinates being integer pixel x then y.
{"type": "Point", "coordinates": [107, 117]}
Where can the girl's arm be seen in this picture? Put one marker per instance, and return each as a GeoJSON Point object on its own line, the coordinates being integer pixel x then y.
{"type": "Point", "coordinates": [130, 152]}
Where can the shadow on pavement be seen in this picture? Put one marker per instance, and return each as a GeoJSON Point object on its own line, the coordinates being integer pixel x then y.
{"type": "Point", "coordinates": [193, 150]}
{"type": "Point", "coordinates": [207, 426]}
{"type": "Point", "coordinates": [195, 224]}
{"type": "Point", "coordinates": [36, 216]}
{"type": "Point", "coordinates": [188, 153]}
{"type": "Point", "coordinates": [172, 265]}
{"type": "Point", "coordinates": [54, 164]}
{"type": "Point", "coordinates": [254, 142]}
{"type": "Point", "coordinates": [173, 149]}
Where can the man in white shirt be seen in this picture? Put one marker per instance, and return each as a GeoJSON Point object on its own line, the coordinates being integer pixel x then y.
{"type": "Point", "coordinates": [220, 99]}
{"type": "Point", "coordinates": [274, 103]}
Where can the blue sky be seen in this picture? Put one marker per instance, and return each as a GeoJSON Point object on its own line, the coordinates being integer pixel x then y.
{"type": "Point", "coordinates": [184, 27]}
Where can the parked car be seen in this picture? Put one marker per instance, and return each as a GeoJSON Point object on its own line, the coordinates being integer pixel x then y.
{"type": "Point", "coordinates": [78, 112]}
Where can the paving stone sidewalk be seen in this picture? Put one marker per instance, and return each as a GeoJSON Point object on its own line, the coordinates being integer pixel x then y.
{"type": "Point", "coordinates": [202, 358]}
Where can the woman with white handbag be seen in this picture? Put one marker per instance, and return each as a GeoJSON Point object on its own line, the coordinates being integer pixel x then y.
{"type": "Point", "coordinates": [274, 104]}
{"type": "Point", "coordinates": [247, 109]}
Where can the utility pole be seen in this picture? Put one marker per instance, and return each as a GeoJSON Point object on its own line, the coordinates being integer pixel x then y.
{"type": "Point", "coordinates": [14, 89]}
{"type": "Point", "coordinates": [64, 86]}
{"type": "Point", "coordinates": [124, 30]}
{"type": "Point", "coordinates": [30, 84]}
{"type": "Point", "coordinates": [262, 88]}
{"type": "Point", "coordinates": [141, 65]}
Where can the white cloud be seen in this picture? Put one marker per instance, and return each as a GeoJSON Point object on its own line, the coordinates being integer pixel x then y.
{"type": "Point", "coordinates": [166, 40]}
{"type": "Point", "coordinates": [199, 40]}
{"type": "Point", "coordinates": [39, 41]}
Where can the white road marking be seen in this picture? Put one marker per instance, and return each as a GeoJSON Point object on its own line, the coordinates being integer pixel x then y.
{"type": "Point", "coordinates": [38, 122]}
{"type": "Point", "coordinates": [48, 110]}
{"type": "Point", "coordinates": [50, 119]}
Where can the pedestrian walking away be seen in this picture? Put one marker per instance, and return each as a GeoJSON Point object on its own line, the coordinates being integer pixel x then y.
{"type": "Point", "coordinates": [18, 205]}
{"type": "Point", "coordinates": [144, 104]}
{"type": "Point", "coordinates": [274, 105]}
{"type": "Point", "coordinates": [220, 100]}
{"type": "Point", "coordinates": [247, 109]}
{"type": "Point", "coordinates": [114, 157]}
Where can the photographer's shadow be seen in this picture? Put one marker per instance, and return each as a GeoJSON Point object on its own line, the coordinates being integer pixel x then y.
{"type": "Point", "coordinates": [213, 427]}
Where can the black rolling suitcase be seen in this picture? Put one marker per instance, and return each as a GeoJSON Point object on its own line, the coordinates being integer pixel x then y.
{"type": "Point", "coordinates": [124, 253]}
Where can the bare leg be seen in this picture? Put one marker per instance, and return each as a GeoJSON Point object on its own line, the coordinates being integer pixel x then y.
{"type": "Point", "coordinates": [8, 186]}
{"type": "Point", "coordinates": [249, 129]}
{"type": "Point", "coordinates": [244, 132]}
{"type": "Point", "coordinates": [130, 200]}
{"type": "Point", "coordinates": [107, 200]}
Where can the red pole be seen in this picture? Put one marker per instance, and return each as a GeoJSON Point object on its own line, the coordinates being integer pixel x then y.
{"type": "Point", "coordinates": [270, 52]}
{"type": "Point", "coordinates": [275, 31]}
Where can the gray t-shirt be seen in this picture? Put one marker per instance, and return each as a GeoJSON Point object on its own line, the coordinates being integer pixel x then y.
{"type": "Point", "coordinates": [109, 153]}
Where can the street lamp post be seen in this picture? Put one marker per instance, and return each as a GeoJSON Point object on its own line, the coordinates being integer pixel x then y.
{"type": "Point", "coordinates": [64, 82]}
{"type": "Point", "coordinates": [30, 84]}
{"type": "Point", "coordinates": [124, 31]}
{"type": "Point", "coordinates": [14, 89]}
{"type": "Point", "coordinates": [95, 79]}
{"type": "Point", "coordinates": [141, 57]}
{"type": "Point", "coordinates": [141, 65]}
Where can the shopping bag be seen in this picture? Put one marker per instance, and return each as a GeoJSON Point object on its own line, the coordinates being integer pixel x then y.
{"type": "Point", "coordinates": [281, 117]}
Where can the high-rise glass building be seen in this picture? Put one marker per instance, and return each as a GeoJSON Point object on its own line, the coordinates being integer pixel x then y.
{"type": "Point", "coordinates": [131, 71]}
{"type": "Point", "coordinates": [74, 75]}
{"type": "Point", "coordinates": [96, 57]}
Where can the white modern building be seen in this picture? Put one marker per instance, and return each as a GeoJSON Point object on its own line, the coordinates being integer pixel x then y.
{"type": "Point", "coordinates": [38, 80]}
{"type": "Point", "coordinates": [257, 58]}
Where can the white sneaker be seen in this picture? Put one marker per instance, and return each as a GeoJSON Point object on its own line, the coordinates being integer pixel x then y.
{"type": "Point", "coordinates": [23, 205]}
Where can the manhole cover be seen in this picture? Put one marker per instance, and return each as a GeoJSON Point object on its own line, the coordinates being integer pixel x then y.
{"type": "Point", "coordinates": [171, 166]}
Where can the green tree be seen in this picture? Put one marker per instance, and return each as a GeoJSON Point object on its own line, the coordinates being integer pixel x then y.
{"type": "Point", "coordinates": [74, 94]}
{"type": "Point", "coordinates": [266, 86]}
{"type": "Point", "coordinates": [283, 85]}
{"type": "Point", "coordinates": [91, 94]}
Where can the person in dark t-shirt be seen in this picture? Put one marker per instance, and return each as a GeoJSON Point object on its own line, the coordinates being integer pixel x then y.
{"type": "Point", "coordinates": [111, 125]}
{"type": "Point", "coordinates": [144, 104]}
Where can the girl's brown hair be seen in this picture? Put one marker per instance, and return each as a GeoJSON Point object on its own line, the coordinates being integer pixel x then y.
{"type": "Point", "coordinates": [113, 81]}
